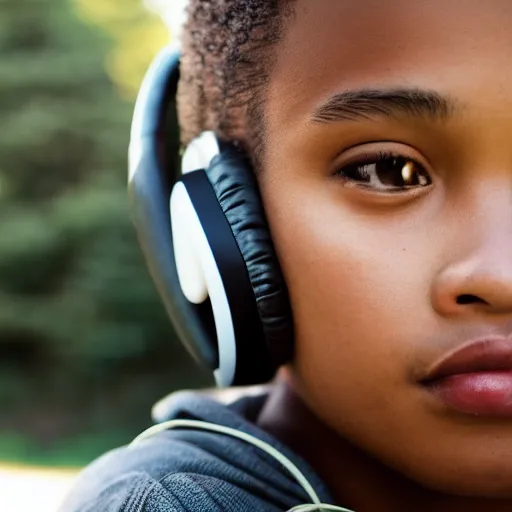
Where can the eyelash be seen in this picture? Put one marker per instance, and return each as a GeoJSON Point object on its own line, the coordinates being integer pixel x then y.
{"type": "Point", "coordinates": [374, 159]}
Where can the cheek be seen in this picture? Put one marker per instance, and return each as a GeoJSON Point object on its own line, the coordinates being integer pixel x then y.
{"type": "Point", "coordinates": [354, 296]}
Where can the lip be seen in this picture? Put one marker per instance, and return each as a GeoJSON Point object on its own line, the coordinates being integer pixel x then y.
{"type": "Point", "coordinates": [475, 379]}
{"type": "Point", "coordinates": [485, 355]}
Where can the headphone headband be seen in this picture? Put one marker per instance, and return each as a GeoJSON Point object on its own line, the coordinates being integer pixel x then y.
{"type": "Point", "coordinates": [149, 191]}
{"type": "Point", "coordinates": [156, 96]}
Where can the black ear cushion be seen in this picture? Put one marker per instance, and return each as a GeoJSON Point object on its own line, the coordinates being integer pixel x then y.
{"type": "Point", "coordinates": [235, 185]}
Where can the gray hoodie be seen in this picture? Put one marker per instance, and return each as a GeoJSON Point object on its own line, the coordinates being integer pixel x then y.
{"type": "Point", "coordinates": [193, 470]}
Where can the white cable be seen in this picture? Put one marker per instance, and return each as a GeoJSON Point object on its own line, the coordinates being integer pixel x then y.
{"type": "Point", "coordinates": [321, 507]}
{"type": "Point", "coordinates": [315, 506]}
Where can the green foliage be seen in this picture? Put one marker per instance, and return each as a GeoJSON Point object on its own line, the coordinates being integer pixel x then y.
{"type": "Point", "coordinates": [84, 342]}
{"type": "Point", "coordinates": [137, 33]}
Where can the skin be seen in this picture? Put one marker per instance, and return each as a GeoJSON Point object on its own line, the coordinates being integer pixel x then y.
{"type": "Point", "coordinates": [374, 277]}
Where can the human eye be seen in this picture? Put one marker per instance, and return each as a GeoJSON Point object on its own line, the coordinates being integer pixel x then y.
{"type": "Point", "coordinates": [385, 172]}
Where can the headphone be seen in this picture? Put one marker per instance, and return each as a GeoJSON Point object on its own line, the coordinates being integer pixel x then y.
{"type": "Point", "coordinates": [204, 234]}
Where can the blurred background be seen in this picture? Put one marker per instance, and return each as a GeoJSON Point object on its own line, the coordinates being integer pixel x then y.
{"type": "Point", "coordinates": [85, 346]}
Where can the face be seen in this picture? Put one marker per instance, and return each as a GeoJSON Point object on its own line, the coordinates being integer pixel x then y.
{"type": "Point", "coordinates": [388, 186]}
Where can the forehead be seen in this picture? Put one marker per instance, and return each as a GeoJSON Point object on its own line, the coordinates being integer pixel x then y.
{"type": "Point", "coordinates": [458, 48]}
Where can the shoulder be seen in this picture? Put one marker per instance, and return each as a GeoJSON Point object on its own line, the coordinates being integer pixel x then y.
{"type": "Point", "coordinates": [194, 470]}
{"type": "Point", "coordinates": [176, 471]}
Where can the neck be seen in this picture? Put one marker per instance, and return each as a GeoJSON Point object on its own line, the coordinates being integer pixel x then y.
{"type": "Point", "coordinates": [355, 479]}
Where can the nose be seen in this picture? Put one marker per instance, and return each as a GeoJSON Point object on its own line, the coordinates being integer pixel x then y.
{"type": "Point", "coordinates": [480, 280]}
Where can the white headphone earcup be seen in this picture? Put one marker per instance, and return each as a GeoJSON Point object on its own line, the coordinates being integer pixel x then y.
{"type": "Point", "coordinates": [200, 152]}
{"type": "Point", "coordinates": [200, 278]}
{"type": "Point", "coordinates": [223, 252]}
{"type": "Point", "coordinates": [188, 237]}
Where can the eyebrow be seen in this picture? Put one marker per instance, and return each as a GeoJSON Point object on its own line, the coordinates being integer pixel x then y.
{"type": "Point", "coordinates": [364, 104]}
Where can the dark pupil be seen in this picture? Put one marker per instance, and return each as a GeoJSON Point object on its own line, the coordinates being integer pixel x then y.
{"type": "Point", "coordinates": [390, 172]}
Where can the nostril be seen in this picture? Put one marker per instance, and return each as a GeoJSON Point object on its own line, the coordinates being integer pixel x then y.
{"type": "Point", "coordinates": [469, 299]}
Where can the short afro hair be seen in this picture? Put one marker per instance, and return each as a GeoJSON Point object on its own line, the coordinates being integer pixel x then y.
{"type": "Point", "coordinates": [227, 57]}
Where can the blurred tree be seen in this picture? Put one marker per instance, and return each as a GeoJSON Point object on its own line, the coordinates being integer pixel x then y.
{"type": "Point", "coordinates": [84, 342]}
{"type": "Point", "coordinates": [138, 34]}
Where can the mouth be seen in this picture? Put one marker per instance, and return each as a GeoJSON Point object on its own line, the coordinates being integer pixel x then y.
{"type": "Point", "coordinates": [475, 379]}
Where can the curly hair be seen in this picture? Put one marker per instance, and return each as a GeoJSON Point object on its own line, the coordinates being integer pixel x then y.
{"type": "Point", "coordinates": [227, 57]}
